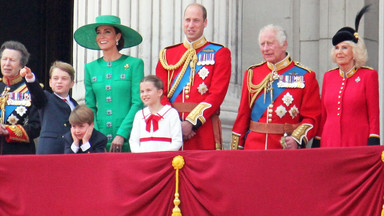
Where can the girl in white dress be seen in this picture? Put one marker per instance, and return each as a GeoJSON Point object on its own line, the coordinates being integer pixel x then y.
{"type": "Point", "coordinates": [157, 127]}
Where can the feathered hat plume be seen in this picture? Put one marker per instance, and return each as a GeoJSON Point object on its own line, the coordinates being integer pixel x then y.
{"type": "Point", "coordinates": [348, 33]}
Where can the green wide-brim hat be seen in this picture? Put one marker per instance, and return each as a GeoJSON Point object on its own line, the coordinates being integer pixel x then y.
{"type": "Point", "coordinates": [85, 36]}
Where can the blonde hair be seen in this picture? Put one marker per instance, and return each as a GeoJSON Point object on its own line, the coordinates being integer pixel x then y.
{"type": "Point", "coordinates": [360, 54]}
{"type": "Point", "coordinates": [80, 115]}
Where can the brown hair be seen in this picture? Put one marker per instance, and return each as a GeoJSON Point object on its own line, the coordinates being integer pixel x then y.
{"type": "Point", "coordinates": [203, 9]}
{"type": "Point", "coordinates": [80, 115]}
{"type": "Point", "coordinates": [157, 82]}
{"type": "Point", "coordinates": [120, 46]}
{"type": "Point", "coordinates": [63, 66]}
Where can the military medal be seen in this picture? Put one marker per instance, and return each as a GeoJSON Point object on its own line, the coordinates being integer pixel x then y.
{"type": "Point", "coordinates": [287, 99]}
{"type": "Point", "coordinates": [12, 119]}
{"type": "Point", "coordinates": [19, 99]}
{"type": "Point", "coordinates": [21, 110]}
{"type": "Point", "coordinates": [291, 81]}
{"type": "Point", "coordinates": [294, 111]}
{"type": "Point", "coordinates": [202, 88]}
{"type": "Point", "coordinates": [203, 73]}
{"type": "Point", "coordinates": [281, 111]}
{"type": "Point", "coordinates": [357, 79]}
{"type": "Point", "coordinates": [206, 57]}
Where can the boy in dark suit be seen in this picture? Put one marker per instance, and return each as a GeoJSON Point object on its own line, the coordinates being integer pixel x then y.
{"type": "Point", "coordinates": [54, 108]}
{"type": "Point", "coordinates": [83, 138]}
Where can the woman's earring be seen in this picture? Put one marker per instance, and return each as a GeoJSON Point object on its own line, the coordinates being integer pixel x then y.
{"type": "Point", "coordinates": [117, 42]}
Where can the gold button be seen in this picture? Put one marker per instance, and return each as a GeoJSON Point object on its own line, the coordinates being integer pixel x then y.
{"type": "Point", "coordinates": [339, 96]}
{"type": "Point", "coordinates": [338, 108]}
{"type": "Point", "coordinates": [338, 114]}
{"type": "Point", "coordinates": [187, 96]}
{"type": "Point", "coordinates": [340, 92]}
{"type": "Point", "coordinates": [342, 83]}
{"type": "Point", "coordinates": [186, 91]}
{"type": "Point", "coordinates": [341, 87]}
{"type": "Point", "coordinates": [65, 125]}
{"type": "Point", "coordinates": [269, 115]}
{"type": "Point", "coordinates": [269, 110]}
{"type": "Point", "coordinates": [269, 120]}
{"type": "Point", "coordinates": [270, 105]}
{"type": "Point", "coordinates": [338, 102]}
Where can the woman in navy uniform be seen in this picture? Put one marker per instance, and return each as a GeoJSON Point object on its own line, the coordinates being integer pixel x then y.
{"type": "Point", "coordinates": [19, 119]}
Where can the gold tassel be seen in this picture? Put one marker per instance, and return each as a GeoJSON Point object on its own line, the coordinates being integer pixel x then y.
{"type": "Point", "coordinates": [177, 163]}
{"type": "Point", "coordinates": [382, 159]}
{"type": "Point", "coordinates": [382, 211]}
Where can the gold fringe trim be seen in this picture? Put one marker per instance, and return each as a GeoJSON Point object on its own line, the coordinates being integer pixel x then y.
{"type": "Point", "coordinates": [177, 163]}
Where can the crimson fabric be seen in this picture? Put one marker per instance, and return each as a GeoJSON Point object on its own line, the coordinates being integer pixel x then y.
{"type": "Point", "coordinates": [335, 181]}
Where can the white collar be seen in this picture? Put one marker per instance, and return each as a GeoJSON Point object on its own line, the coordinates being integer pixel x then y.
{"type": "Point", "coordinates": [66, 98]}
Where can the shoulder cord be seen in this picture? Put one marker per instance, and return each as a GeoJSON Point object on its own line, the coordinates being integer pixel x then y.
{"type": "Point", "coordinates": [188, 57]}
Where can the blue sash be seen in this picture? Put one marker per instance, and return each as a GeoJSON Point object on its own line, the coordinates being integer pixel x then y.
{"type": "Point", "coordinates": [19, 99]}
{"type": "Point", "coordinates": [185, 79]}
{"type": "Point", "coordinates": [259, 107]}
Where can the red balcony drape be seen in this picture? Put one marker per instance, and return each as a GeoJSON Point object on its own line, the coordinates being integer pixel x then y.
{"type": "Point", "coordinates": [337, 181]}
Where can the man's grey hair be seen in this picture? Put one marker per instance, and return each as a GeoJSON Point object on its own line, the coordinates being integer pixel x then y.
{"type": "Point", "coordinates": [281, 35]}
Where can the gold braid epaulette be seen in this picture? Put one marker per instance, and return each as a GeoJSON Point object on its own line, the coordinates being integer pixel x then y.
{"type": "Point", "coordinates": [188, 57]}
{"type": "Point", "coordinates": [298, 64]}
{"type": "Point", "coordinates": [254, 90]}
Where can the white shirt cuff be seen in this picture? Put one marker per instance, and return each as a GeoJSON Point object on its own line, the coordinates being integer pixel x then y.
{"type": "Point", "coordinates": [31, 80]}
{"type": "Point", "coordinates": [85, 146]}
{"type": "Point", "coordinates": [75, 148]}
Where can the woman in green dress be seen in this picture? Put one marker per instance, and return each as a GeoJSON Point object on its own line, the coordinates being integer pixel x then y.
{"type": "Point", "coordinates": [112, 82]}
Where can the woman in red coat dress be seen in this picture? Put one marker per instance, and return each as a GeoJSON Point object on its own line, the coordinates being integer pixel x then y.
{"type": "Point", "coordinates": [350, 95]}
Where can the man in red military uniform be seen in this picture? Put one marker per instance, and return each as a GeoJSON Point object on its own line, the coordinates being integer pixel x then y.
{"type": "Point", "coordinates": [196, 75]}
{"type": "Point", "coordinates": [280, 101]}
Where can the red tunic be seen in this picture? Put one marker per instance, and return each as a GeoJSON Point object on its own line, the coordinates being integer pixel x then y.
{"type": "Point", "coordinates": [350, 108]}
{"type": "Point", "coordinates": [208, 91]}
{"type": "Point", "coordinates": [306, 102]}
